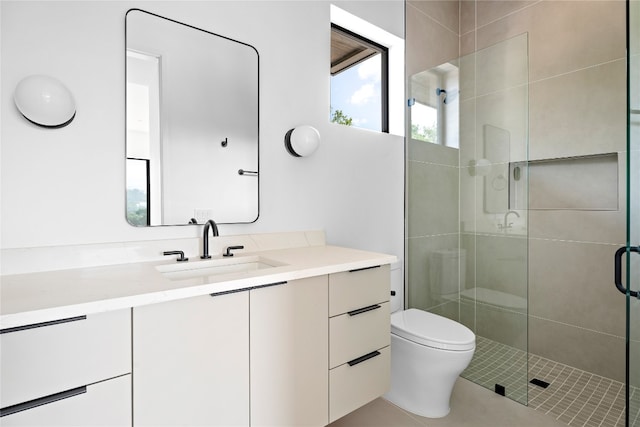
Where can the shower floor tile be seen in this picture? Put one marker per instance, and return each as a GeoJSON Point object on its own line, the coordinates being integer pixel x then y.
{"type": "Point", "coordinates": [574, 397]}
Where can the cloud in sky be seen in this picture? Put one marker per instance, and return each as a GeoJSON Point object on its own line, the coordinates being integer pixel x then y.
{"type": "Point", "coordinates": [363, 95]}
{"type": "Point", "coordinates": [370, 69]}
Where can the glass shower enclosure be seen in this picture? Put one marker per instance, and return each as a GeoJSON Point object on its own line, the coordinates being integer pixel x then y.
{"type": "Point", "coordinates": [467, 198]}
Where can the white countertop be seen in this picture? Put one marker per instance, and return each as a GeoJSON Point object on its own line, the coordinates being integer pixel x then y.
{"type": "Point", "coordinates": [45, 296]}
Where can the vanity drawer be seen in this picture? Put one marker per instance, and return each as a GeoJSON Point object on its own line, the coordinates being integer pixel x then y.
{"type": "Point", "coordinates": [351, 290]}
{"type": "Point", "coordinates": [107, 403]}
{"type": "Point", "coordinates": [47, 358]}
{"type": "Point", "coordinates": [351, 387]}
{"type": "Point", "coordinates": [359, 332]}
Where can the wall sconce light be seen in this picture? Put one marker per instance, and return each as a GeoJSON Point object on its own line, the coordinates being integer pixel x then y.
{"type": "Point", "coordinates": [45, 101]}
{"type": "Point", "coordinates": [302, 141]}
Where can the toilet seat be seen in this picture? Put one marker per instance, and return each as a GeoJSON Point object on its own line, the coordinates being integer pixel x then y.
{"type": "Point", "coordinates": [429, 329]}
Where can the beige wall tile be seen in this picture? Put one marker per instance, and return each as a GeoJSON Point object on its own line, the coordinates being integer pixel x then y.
{"type": "Point", "coordinates": [450, 310]}
{"type": "Point", "coordinates": [583, 226]}
{"type": "Point", "coordinates": [467, 132]}
{"type": "Point", "coordinates": [467, 16]}
{"type": "Point", "coordinates": [503, 326]}
{"type": "Point", "coordinates": [467, 76]}
{"type": "Point", "coordinates": [468, 245]}
{"type": "Point", "coordinates": [563, 35]}
{"type": "Point", "coordinates": [502, 66]}
{"type": "Point", "coordinates": [576, 183]}
{"type": "Point", "coordinates": [572, 283]}
{"type": "Point", "coordinates": [492, 10]}
{"type": "Point", "coordinates": [507, 110]}
{"type": "Point", "coordinates": [579, 113]}
{"type": "Point", "coordinates": [468, 201]}
{"type": "Point", "coordinates": [467, 43]}
{"type": "Point", "coordinates": [424, 288]}
{"type": "Point", "coordinates": [468, 315]}
{"type": "Point", "coordinates": [428, 43]}
{"type": "Point", "coordinates": [501, 266]}
{"type": "Point", "coordinates": [590, 351]}
{"type": "Point", "coordinates": [432, 199]}
{"type": "Point", "coordinates": [444, 11]}
{"type": "Point", "coordinates": [432, 153]}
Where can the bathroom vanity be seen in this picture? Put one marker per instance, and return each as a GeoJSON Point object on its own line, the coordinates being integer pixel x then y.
{"type": "Point", "coordinates": [293, 336]}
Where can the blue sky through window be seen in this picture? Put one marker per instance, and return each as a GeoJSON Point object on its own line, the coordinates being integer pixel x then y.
{"type": "Point", "coordinates": [357, 93]}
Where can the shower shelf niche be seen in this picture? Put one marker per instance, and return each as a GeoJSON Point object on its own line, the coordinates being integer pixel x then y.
{"type": "Point", "coordinates": [587, 183]}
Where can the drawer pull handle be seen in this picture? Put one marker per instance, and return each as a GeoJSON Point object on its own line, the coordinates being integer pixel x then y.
{"type": "Point", "coordinates": [269, 285]}
{"type": "Point", "coordinates": [233, 291]}
{"type": "Point", "coordinates": [9, 410]}
{"type": "Point", "coordinates": [364, 358]}
{"type": "Point", "coordinates": [364, 310]}
{"type": "Point", "coordinates": [40, 325]}
{"type": "Point", "coordinates": [250, 288]}
{"type": "Point", "coordinates": [365, 268]}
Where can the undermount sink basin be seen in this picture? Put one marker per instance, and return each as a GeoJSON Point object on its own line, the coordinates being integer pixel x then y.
{"type": "Point", "coordinates": [215, 267]}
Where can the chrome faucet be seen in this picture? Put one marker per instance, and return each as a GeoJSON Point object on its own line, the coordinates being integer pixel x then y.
{"type": "Point", "coordinates": [506, 225]}
{"type": "Point", "coordinates": [205, 237]}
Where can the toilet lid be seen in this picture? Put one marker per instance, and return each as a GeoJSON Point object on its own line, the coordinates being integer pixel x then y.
{"type": "Point", "coordinates": [432, 330]}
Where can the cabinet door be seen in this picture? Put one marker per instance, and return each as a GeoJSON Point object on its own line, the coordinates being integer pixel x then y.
{"type": "Point", "coordinates": [47, 358]}
{"type": "Point", "coordinates": [107, 403]}
{"type": "Point", "coordinates": [191, 362]}
{"type": "Point", "coordinates": [289, 354]}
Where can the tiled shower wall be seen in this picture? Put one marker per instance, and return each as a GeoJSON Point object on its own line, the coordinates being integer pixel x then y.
{"type": "Point", "coordinates": [576, 107]}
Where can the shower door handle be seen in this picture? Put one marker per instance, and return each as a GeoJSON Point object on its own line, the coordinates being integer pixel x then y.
{"type": "Point", "coordinates": [618, 269]}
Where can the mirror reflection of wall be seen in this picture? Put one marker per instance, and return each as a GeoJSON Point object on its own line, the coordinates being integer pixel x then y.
{"type": "Point", "coordinates": [434, 105]}
{"type": "Point", "coordinates": [143, 138]}
{"type": "Point", "coordinates": [192, 124]}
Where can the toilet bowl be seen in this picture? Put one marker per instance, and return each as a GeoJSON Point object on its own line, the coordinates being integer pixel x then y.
{"type": "Point", "coordinates": [428, 353]}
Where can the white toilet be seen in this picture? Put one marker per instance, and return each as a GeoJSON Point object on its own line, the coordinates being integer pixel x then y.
{"type": "Point", "coordinates": [428, 353]}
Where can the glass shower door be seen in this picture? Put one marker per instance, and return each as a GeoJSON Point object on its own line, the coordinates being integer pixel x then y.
{"type": "Point", "coordinates": [467, 194]}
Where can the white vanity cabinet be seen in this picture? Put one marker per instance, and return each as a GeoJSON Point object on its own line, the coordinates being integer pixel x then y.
{"type": "Point", "coordinates": [289, 353]}
{"type": "Point", "coordinates": [359, 338]}
{"type": "Point", "coordinates": [73, 371]}
{"type": "Point", "coordinates": [191, 362]}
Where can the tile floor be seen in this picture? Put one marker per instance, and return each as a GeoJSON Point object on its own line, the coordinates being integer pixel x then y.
{"type": "Point", "coordinates": [471, 405]}
{"type": "Point", "coordinates": [575, 398]}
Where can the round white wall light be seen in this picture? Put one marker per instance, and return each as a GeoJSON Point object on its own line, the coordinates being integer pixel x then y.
{"type": "Point", "coordinates": [45, 101]}
{"type": "Point", "coordinates": [302, 141]}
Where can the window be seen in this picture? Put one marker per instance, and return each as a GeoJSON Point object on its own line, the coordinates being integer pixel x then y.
{"type": "Point", "coordinates": [359, 81]}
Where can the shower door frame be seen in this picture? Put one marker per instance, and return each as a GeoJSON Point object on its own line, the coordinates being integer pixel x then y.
{"type": "Point", "coordinates": [631, 273]}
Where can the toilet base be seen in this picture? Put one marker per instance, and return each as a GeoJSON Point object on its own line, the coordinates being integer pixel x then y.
{"type": "Point", "coordinates": [437, 413]}
{"type": "Point", "coordinates": [422, 377]}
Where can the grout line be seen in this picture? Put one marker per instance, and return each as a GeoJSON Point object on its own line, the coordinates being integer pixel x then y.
{"type": "Point", "coordinates": [602, 396]}
{"type": "Point", "coordinates": [575, 397]}
{"type": "Point", "coordinates": [611, 407]}
{"type": "Point", "coordinates": [577, 70]}
{"type": "Point", "coordinates": [586, 401]}
{"type": "Point", "coordinates": [505, 16]}
{"type": "Point", "coordinates": [575, 326]}
{"type": "Point", "coordinates": [456, 33]}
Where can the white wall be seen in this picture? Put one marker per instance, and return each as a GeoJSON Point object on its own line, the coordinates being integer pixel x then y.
{"type": "Point", "coordinates": [66, 186]}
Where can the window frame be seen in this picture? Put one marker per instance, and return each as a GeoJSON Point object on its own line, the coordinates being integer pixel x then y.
{"type": "Point", "coordinates": [384, 74]}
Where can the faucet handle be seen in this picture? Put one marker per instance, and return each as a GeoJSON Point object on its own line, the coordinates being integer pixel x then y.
{"type": "Point", "coordinates": [230, 248]}
{"type": "Point", "coordinates": [181, 258]}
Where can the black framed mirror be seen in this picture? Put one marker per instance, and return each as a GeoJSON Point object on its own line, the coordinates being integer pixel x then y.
{"type": "Point", "coordinates": [192, 124]}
